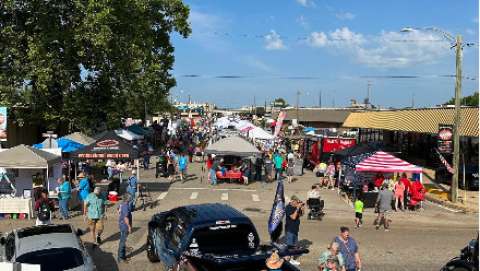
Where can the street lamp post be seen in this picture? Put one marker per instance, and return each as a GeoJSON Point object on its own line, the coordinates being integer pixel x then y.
{"type": "Point", "coordinates": [458, 45]}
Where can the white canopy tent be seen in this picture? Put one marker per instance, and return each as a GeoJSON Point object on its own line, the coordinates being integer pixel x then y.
{"type": "Point", "coordinates": [259, 133]}
{"type": "Point", "coordinates": [128, 135]}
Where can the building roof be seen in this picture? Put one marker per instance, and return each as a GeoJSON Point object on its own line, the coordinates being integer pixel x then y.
{"type": "Point", "coordinates": [423, 120]}
{"type": "Point", "coordinates": [23, 156]}
{"type": "Point", "coordinates": [317, 114]}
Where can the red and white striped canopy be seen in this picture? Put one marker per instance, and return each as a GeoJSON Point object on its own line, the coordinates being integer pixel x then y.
{"type": "Point", "coordinates": [384, 162]}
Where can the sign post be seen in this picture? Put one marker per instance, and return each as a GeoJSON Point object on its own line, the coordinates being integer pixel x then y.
{"type": "Point", "coordinates": [49, 135]}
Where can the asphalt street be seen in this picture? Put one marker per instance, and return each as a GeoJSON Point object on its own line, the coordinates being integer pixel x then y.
{"type": "Point", "coordinates": [417, 241]}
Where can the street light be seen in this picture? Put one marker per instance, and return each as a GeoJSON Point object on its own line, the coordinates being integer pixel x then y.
{"type": "Point", "coordinates": [458, 44]}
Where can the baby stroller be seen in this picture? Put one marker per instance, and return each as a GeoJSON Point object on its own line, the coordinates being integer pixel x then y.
{"type": "Point", "coordinates": [161, 167]}
{"type": "Point", "coordinates": [315, 206]}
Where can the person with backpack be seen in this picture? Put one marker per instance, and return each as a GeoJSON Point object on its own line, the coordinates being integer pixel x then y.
{"type": "Point", "coordinates": [64, 195]}
{"type": "Point", "coordinates": [132, 189]}
{"type": "Point", "coordinates": [44, 208]}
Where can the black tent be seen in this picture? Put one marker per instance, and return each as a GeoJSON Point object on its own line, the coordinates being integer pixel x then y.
{"type": "Point", "coordinates": [355, 150]}
{"type": "Point", "coordinates": [108, 146]}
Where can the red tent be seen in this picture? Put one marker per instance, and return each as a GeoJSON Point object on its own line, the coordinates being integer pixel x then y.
{"type": "Point", "coordinates": [384, 162]}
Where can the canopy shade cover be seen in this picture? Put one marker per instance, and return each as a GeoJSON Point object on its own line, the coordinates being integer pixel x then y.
{"type": "Point", "coordinates": [109, 146]}
{"type": "Point", "coordinates": [23, 156]}
{"type": "Point", "coordinates": [80, 137]}
{"type": "Point", "coordinates": [384, 162]}
{"type": "Point", "coordinates": [128, 135]}
{"type": "Point", "coordinates": [233, 145]}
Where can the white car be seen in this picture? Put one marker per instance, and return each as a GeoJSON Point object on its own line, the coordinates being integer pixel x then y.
{"type": "Point", "coordinates": [53, 247]}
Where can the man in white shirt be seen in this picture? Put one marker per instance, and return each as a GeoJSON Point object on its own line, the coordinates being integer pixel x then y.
{"type": "Point", "coordinates": [314, 193]}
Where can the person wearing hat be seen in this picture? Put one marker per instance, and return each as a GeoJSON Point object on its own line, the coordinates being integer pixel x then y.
{"type": "Point", "coordinates": [94, 211]}
{"type": "Point", "coordinates": [293, 211]}
{"type": "Point", "coordinates": [132, 189]}
{"type": "Point", "coordinates": [384, 205]}
{"type": "Point", "coordinates": [334, 255]}
{"type": "Point", "coordinates": [274, 262]}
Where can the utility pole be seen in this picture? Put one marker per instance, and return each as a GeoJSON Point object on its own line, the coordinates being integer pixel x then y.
{"type": "Point", "coordinates": [367, 100]}
{"type": "Point", "coordinates": [413, 100]}
{"type": "Point", "coordinates": [456, 123]}
{"type": "Point", "coordinates": [320, 99]}
{"type": "Point", "coordinates": [298, 102]}
{"type": "Point", "coordinates": [254, 105]}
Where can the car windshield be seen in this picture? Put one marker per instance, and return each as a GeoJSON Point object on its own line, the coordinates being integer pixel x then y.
{"type": "Point", "coordinates": [226, 239]}
{"type": "Point", "coordinates": [54, 259]}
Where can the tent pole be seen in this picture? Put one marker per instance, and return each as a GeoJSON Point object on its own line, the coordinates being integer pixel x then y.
{"type": "Point", "coordinates": [48, 182]}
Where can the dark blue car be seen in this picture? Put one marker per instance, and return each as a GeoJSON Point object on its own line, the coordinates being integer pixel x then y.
{"type": "Point", "coordinates": [205, 237]}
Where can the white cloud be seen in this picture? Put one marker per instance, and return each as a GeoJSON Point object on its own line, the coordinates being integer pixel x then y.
{"type": "Point", "coordinates": [306, 3]}
{"type": "Point", "coordinates": [273, 41]}
{"type": "Point", "coordinates": [388, 49]}
{"type": "Point", "coordinates": [257, 63]}
{"type": "Point", "coordinates": [470, 31]}
{"type": "Point", "coordinates": [317, 39]}
{"type": "Point", "coordinates": [345, 16]}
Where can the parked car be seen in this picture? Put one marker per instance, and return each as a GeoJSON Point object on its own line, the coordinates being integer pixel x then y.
{"type": "Point", "coordinates": [53, 247]}
{"type": "Point", "coordinates": [471, 177]}
{"type": "Point", "coordinates": [208, 237]}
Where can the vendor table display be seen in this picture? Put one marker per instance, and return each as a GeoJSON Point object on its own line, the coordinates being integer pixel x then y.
{"type": "Point", "coordinates": [16, 206]}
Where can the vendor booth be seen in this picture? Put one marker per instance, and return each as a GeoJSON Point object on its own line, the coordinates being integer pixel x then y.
{"type": "Point", "coordinates": [234, 149]}
{"type": "Point", "coordinates": [27, 167]}
{"type": "Point", "coordinates": [80, 138]}
{"type": "Point", "coordinates": [362, 170]}
{"type": "Point", "coordinates": [110, 147]}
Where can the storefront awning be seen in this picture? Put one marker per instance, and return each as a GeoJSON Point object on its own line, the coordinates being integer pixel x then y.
{"type": "Point", "coordinates": [425, 120]}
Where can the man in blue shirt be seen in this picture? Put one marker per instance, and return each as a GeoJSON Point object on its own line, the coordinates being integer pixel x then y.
{"type": "Point", "coordinates": [125, 227]}
{"type": "Point", "coordinates": [349, 249]}
{"type": "Point", "coordinates": [278, 161]}
{"type": "Point", "coordinates": [64, 195]}
{"type": "Point", "coordinates": [94, 210]}
{"type": "Point", "coordinates": [83, 186]}
{"type": "Point", "coordinates": [132, 189]}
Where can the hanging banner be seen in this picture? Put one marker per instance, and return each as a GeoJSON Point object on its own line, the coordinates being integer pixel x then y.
{"type": "Point", "coordinates": [3, 123]}
{"type": "Point", "coordinates": [279, 123]}
{"type": "Point", "coordinates": [445, 138]}
{"type": "Point", "coordinates": [444, 162]}
{"type": "Point", "coordinates": [337, 144]}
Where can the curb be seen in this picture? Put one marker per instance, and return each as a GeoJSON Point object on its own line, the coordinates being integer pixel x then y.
{"type": "Point", "coordinates": [448, 204]}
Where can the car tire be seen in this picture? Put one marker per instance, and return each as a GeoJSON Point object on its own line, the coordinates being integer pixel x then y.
{"type": "Point", "coordinates": [151, 254]}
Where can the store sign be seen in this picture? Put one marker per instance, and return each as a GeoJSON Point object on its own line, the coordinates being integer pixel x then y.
{"type": "Point", "coordinates": [337, 144]}
{"type": "Point", "coordinates": [445, 138]}
{"type": "Point", "coordinates": [3, 123]}
{"type": "Point", "coordinates": [103, 155]}
{"type": "Point", "coordinates": [108, 144]}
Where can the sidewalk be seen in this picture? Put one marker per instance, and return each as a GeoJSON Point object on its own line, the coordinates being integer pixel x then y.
{"type": "Point", "coordinates": [440, 193]}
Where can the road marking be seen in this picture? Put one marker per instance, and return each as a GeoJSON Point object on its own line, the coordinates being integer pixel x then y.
{"type": "Point", "coordinates": [224, 196]}
{"type": "Point", "coordinates": [214, 189]}
{"type": "Point", "coordinates": [162, 195]}
{"type": "Point", "coordinates": [255, 197]}
{"type": "Point", "coordinates": [194, 195]}
{"type": "Point", "coordinates": [443, 207]}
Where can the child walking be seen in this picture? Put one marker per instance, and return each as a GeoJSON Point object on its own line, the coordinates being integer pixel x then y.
{"type": "Point", "coordinates": [358, 211]}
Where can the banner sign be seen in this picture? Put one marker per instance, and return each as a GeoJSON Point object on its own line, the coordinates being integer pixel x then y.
{"type": "Point", "coordinates": [337, 144]}
{"type": "Point", "coordinates": [444, 162]}
{"type": "Point", "coordinates": [3, 123]}
{"type": "Point", "coordinates": [445, 138]}
{"type": "Point", "coordinates": [279, 123]}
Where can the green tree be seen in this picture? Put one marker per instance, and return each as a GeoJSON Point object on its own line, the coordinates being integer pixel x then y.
{"type": "Point", "coordinates": [84, 64]}
{"type": "Point", "coordinates": [280, 102]}
{"type": "Point", "coordinates": [471, 100]}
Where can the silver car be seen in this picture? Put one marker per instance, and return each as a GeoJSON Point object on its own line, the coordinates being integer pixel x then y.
{"type": "Point", "coordinates": [53, 247]}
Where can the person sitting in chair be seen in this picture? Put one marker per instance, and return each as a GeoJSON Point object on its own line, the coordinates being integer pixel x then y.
{"type": "Point", "coordinates": [314, 193]}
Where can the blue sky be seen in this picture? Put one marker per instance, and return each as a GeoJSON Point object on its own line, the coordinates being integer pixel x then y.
{"type": "Point", "coordinates": [244, 48]}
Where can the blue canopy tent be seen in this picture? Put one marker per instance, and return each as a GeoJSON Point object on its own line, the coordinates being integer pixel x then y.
{"type": "Point", "coordinates": [65, 144]}
{"type": "Point", "coordinates": [137, 129]}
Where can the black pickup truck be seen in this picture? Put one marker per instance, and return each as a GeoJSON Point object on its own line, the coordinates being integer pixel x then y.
{"type": "Point", "coordinates": [209, 237]}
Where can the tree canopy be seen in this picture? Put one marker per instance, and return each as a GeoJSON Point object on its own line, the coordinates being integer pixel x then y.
{"type": "Point", "coordinates": [471, 100]}
{"type": "Point", "coordinates": [84, 64]}
{"type": "Point", "coordinates": [280, 102]}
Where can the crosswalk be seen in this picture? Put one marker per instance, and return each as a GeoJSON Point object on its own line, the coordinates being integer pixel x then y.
{"type": "Point", "coordinates": [195, 195]}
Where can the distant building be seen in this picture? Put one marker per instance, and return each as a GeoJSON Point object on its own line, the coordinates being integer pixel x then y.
{"type": "Point", "coordinates": [317, 117]}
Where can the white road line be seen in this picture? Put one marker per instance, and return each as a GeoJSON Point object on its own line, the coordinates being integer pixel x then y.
{"type": "Point", "coordinates": [162, 195]}
{"type": "Point", "coordinates": [194, 195]}
{"type": "Point", "coordinates": [255, 197]}
{"type": "Point", "coordinates": [224, 196]}
{"type": "Point", "coordinates": [213, 189]}
{"type": "Point", "coordinates": [443, 207]}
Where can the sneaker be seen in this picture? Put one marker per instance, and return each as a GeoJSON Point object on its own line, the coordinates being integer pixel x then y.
{"type": "Point", "coordinates": [98, 239]}
{"type": "Point", "coordinates": [294, 262]}
{"type": "Point", "coordinates": [387, 230]}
